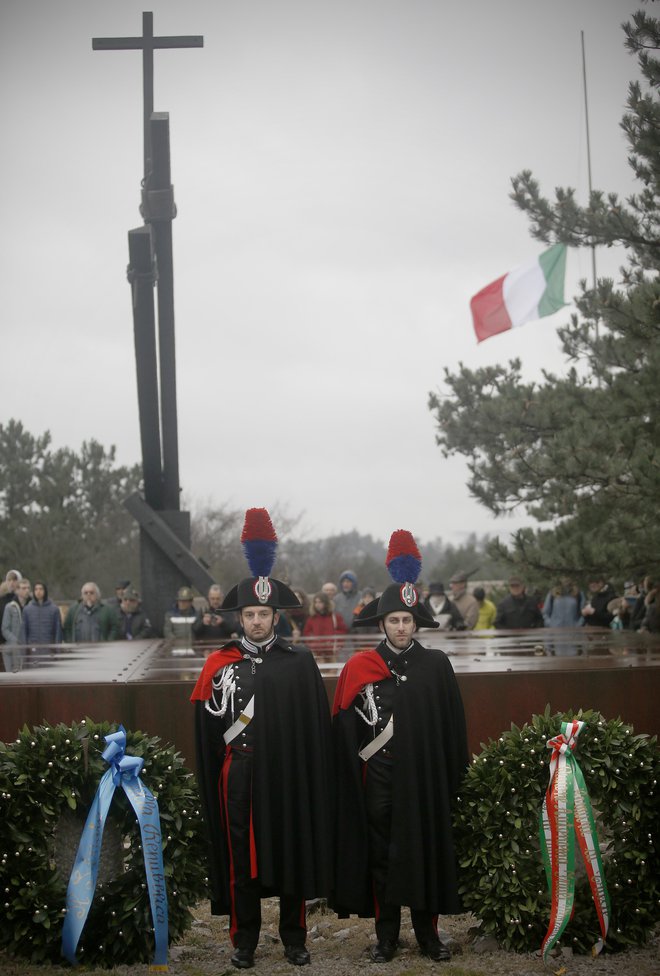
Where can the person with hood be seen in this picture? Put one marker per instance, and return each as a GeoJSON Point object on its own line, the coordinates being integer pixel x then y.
{"type": "Point", "coordinates": [262, 737]}
{"type": "Point", "coordinates": [400, 754]}
{"type": "Point", "coordinates": [487, 610]}
{"type": "Point", "coordinates": [347, 597]}
{"type": "Point", "coordinates": [42, 621]}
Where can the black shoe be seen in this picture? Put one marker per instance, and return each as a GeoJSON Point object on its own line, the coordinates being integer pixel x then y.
{"type": "Point", "coordinates": [435, 950]}
{"type": "Point", "coordinates": [297, 955]}
{"type": "Point", "coordinates": [382, 951]}
{"type": "Point", "coordinates": [242, 958]}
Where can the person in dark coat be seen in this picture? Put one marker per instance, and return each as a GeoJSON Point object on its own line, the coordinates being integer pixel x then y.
{"type": "Point", "coordinates": [264, 762]}
{"type": "Point", "coordinates": [518, 611]}
{"type": "Point", "coordinates": [211, 624]}
{"type": "Point", "coordinates": [444, 612]}
{"type": "Point", "coordinates": [42, 621]}
{"type": "Point", "coordinates": [400, 754]}
{"type": "Point", "coordinates": [595, 612]}
{"type": "Point", "coordinates": [132, 621]}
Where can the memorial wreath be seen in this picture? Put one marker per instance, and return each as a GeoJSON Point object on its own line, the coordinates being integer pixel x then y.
{"type": "Point", "coordinates": [48, 780]}
{"type": "Point", "coordinates": [503, 876]}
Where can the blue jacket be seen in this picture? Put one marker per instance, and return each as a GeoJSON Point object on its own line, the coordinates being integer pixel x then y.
{"type": "Point", "coordinates": [42, 623]}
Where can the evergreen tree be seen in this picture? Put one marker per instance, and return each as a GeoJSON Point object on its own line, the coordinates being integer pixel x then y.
{"type": "Point", "coordinates": [580, 452]}
{"type": "Point", "coordinates": [62, 517]}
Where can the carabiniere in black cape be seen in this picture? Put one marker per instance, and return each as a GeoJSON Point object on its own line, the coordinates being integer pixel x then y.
{"type": "Point", "coordinates": [430, 756]}
{"type": "Point", "coordinates": [291, 808]}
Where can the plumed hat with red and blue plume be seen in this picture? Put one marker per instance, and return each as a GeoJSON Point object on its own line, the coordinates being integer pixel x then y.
{"type": "Point", "coordinates": [404, 563]}
{"type": "Point", "coordinates": [259, 542]}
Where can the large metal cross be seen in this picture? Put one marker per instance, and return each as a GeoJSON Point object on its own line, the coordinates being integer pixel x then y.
{"type": "Point", "coordinates": [147, 44]}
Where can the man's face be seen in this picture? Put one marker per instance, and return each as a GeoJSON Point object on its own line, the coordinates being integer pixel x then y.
{"type": "Point", "coordinates": [258, 622]}
{"type": "Point", "coordinates": [330, 589]}
{"type": "Point", "coordinates": [184, 605]}
{"type": "Point", "coordinates": [215, 599]}
{"type": "Point", "coordinates": [399, 629]}
{"type": "Point", "coordinates": [23, 590]}
{"type": "Point", "coordinates": [89, 595]}
{"type": "Point", "coordinates": [516, 589]}
{"type": "Point", "coordinates": [457, 588]}
{"type": "Point", "coordinates": [39, 591]}
{"type": "Point", "coordinates": [129, 605]}
{"type": "Point", "coordinates": [595, 586]}
{"type": "Point", "coordinates": [347, 584]}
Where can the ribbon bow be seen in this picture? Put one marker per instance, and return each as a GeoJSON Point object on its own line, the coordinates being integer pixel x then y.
{"type": "Point", "coordinates": [567, 814]}
{"type": "Point", "coordinates": [121, 764]}
{"type": "Point", "coordinates": [124, 772]}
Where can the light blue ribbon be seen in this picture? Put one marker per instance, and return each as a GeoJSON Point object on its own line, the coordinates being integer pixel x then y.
{"type": "Point", "coordinates": [125, 772]}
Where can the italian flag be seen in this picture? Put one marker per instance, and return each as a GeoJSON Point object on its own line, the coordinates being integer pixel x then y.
{"type": "Point", "coordinates": [528, 292]}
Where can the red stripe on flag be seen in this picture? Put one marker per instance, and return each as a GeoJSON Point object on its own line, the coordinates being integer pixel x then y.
{"type": "Point", "coordinates": [489, 313]}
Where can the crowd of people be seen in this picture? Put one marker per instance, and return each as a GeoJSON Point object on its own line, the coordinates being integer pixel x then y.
{"type": "Point", "coordinates": [29, 617]}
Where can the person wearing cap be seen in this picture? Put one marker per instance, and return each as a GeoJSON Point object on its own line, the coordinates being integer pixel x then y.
{"type": "Point", "coordinates": [464, 602]}
{"type": "Point", "coordinates": [400, 754]}
{"type": "Point", "coordinates": [517, 610]}
{"type": "Point", "coordinates": [262, 733]}
{"type": "Point", "coordinates": [114, 602]}
{"type": "Point", "coordinates": [133, 623]}
{"type": "Point", "coordinates": [183, 608]}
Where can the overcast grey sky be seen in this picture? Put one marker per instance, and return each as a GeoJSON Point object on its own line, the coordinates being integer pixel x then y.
{"type": "Point", "coordinates": [341, 171]}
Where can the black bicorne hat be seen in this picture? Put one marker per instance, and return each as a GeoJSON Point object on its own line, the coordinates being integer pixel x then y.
{"type": "Point", "coordinates": [403, 563]}
{"type": "Point", "coordinates": [259, 543]}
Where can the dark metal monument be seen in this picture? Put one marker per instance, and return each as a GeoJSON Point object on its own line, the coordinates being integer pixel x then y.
{"type": "Point", "coordinates": [166, 562]}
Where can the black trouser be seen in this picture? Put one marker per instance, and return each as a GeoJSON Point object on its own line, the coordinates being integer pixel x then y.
{"type": "Point", "coordinates": [244, 887]}
{"type": "Point", "coordinates": [378, 798]}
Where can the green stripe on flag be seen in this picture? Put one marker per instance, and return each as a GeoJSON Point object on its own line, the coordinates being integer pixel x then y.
{"type": "Point", "coordinates": [553, 266]}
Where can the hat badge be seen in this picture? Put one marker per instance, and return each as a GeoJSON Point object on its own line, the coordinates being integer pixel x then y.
{"type": "Point", "coordinates": [409, 595]}
{"type": "Point", "coordinates": [263, 589]}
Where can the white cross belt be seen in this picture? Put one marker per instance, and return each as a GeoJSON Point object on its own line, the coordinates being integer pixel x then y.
{"type": "Point", "coordinates": [381, 739]}
{"type": "Point", "coordinates": [243, 719]}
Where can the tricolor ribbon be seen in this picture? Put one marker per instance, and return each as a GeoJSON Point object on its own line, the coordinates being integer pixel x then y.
{"type": "Point", "coordinates": [124, 772]}
{"type": "Point", "coordinates": [567, 814]}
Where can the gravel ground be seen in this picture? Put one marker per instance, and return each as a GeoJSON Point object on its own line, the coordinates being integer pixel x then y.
{"type": "Point", "coordinates": [339, 948]}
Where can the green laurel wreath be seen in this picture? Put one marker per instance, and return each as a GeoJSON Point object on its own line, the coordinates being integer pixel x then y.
{"type": "Point", "coordinates": [496, 824]}
{"type": "Point", "coordinates": [48, 778]}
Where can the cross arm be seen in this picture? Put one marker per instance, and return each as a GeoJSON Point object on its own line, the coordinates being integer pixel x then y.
{"type": "Point", "coordinates": [137, 43]}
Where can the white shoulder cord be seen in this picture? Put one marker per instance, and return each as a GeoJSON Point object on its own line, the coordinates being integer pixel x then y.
{"type": "Point", "coordinates": [368, 699]}
{"type": "Point", "coordinates": [225, 683]}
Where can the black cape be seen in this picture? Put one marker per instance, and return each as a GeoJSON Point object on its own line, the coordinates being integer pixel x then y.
{"type": "Point", "coordinates": [430, 757]}
{"type": "Point", "coordinates": [291, 809]}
